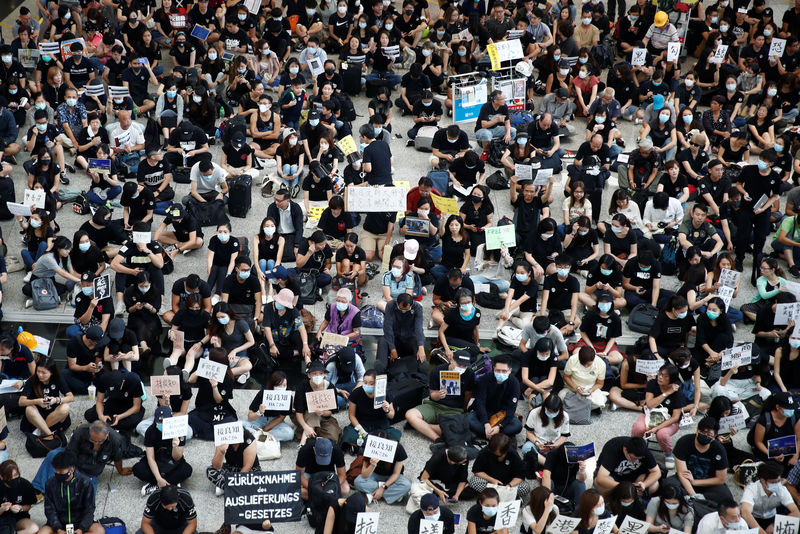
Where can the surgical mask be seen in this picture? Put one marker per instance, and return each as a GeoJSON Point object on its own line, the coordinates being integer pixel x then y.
{"type": "Point", "coordinates": [279, 306]}
{"type": "Point", "coordinates": [739, 525]}
{"type": "Point", "coordinates": [426, 52]}
{"type": "Point", "coordinates": [522, 141]}
{"type": "Point", "coordinates": [342, 306]}
{"type": "Point", "coordinates": [682, 315]}
{"type": "Point", "coordinates": [223, 320]}
{"type": "Point", "coordinates": [634, 18]}
{"type": "Point", "coordinates": [12, 91]}
{"type": "Point", "coordinates": [440, 33]}
{"type": "Point", "coordinates": [313, 122]}
{"type": "Point", "coordinates": [788, 412]}
{"type": "Point", "coordinates": [712, 315]}
{"type": "Point", "coordinates": [563, 273]}
{"type": "Point", "coordinates": [342, 10]}
{"type": "Point", "coordinates": [197, 99]}
{"type": "Point", "coordinates": [583, 60]}
{"type": "Point", "coordinates": [47, 59]}
{"type": "Point", "coordinates": [427, 104]}
{"type": "Point", "coordinates": [388, 27]}
{"type": "Point", "coordinates": [144, 289]}
{"type": "Point", "coordinates": [369, 390]}
{"type": "Point", "coordinates": [453, 141]}
{"type": "Point", "coordinates": [172, 94]}
{"type": "Point", "coordinates": [242, 70]}
{"type": "Point", "coordinates": [687, 119]}
{"type": "Point", "coordinates": [714, 20]}
{"type": "Point", "coordinates": [551, 415]}
{"type": "Point", "coordinates": [586, 21]}
{"type": "Point", "coordinates": [223, 237]}
{"type": "Point", "coordinates": [774, 487]}
{"type": "Point", "coordinates": [36, 223]}
{"type": "Point", "coordinates": [598, 511]}
{"type": "Point", "coordinates": [317, 380]}
{"type": "Point", "coordinates": [476, 199]}
{"type": "Point", "coordinates": [604, 307]}
{"type": "Point", "coordinates": [378, 130]}
{"type": "Point", "coordinates": [778, 148]}
{"type": "Point", "coordinates": [41, 127]}
{"type": "Point", "coordinates": [310, 12]}
{"type": "Point", "coordinates": [462, 53]}
{"type": "Point", "coordinates": [212, 56]}
{"type": "Point", "coordinates": [68, 15]}
{"type": "Point", "coordinates": [521, 277]}
{"type": "Point", "coordinates": [292, 141]}
{"type": "Point", "coordinates": [583, 74]}
{"type": "Point", "coordinates": [242, 16]}
{"type": "Point", "coordinates": [616, 229]}
{"type": "Point", "coordinates": [767, 33]}
{"type": "Point", "coordinates": [672, 506]}
{"type": "Point", "coordinates": [362, 25]}
{"type": "Point", "coordinates": [397, 272]}
{"type": "Point", "coordinates": [546, 236]}
{"type": "Point", "coordinates": [466, 308]}
{"type": "Point", "coordinates": [263, 108]}
{"type": "Point", "coordinates": [423, 213]}
{"type": "Point", "coordinates": [563, 72]}
{"type": "Point", "coordinates": [606, 272]}
{"type": "Point", "coordinates": [689, 83]}
{"type": "Point", "coordinates": [323, 146]}
{"type": "Point", "coordinates": [269, 231]}
{"type": "Point", "coordinates": [294, 70]}
{"type": "Point", "coordinates": [762, 165]}
{"type": "Point", "coordinates": [556, 58]}
{"type": "Point", "coordinates": [543, 358]}
{"type": "Point", "coordinates": [772, 92]}
{"type": "Point", "coordinates": [489, 511]}
{"type": "Point", "coordinates": [794, 343]}
{"type": "Point", "coordinates": [118, 101]}
{"type": "Point", "coordinates": [730, 86]}
{"type": "Point", "coordinates": [433, 517]}
{"type": "Point", "coordinates": [723, 28]}
{"type": "Point", "coordinates": [599, 120]}
{"type": "Point", "coordinates": [41, 106]}
{"type": "Point", "coordinates": [88, 291]}
{"type": "Point", "coordinates": [83, 247]}
{"type": "Point", "coordinates": [645, 269]}
{"type": "Point", "coordinates": [625, 504]}
{"type": "Point", "coordinates": [244, 275]}
{"type": "Point", "coordinates": [663, 117]}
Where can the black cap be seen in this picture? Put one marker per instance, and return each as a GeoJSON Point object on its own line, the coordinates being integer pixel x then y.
{"type": "Point", "coordinates": [318, 236]}
{"type": "Point", "coordinates": [784, 400]}
{"type": "Point", "coordinates": [313, 114]}
{"type": "Point", "coordinates": [347, 360]}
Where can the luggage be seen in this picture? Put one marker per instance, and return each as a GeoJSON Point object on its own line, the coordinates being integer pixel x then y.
{"type": "Point", "coordinates": [351, 80]}
{"type": "Point", "coordinates": [405, 393]}
{"type": "Point", "coordinates": [7, 194]}
{"type": "Point", "coordinates": [642, 318]}
{"type": "Point", "coordinates": [44, 294]}
{"type": "Point", "coordinates": [207, 213]}
{"type": "Point", "coordinates": [240, 196]}
{"type": "Point", "coordinates": [424, 139]}
{"type": "Point", "coordinates": [374, 84]}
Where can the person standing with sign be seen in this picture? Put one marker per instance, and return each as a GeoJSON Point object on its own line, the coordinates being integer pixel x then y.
{"type": "Point", "coordinates": [260, 417]}
{"type": "Point", "coordinates": [382, 479]}
{"type": "Point", "coordinates": [365, 418]}
{"type": "Point", "coordinates": [232, 458]}
{"type": "Point", "coordinates": [164, 463]}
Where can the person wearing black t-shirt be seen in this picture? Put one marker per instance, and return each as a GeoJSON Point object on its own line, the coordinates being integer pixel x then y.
{"type": "Point", "coordinates": [259, 417]}
{"type": "Point", "coordinates": [499, 464]}
{"type": "Point", "coordinates": [134, 258]}
{"type": "Point", "coordinates": [334, 221]}
{"type": "Point", "coordinates": [600, 328]}
{"type": "Point", "coordinates": [89, 310]}
{"type": "Point", "coordinates": [425, 112]}
{"type": "Point", "coordinates": [559, 293]}
{"type": "Point", "coordinates": [46, 397]}
{"type": "Point", "coordinates": [234, 458]}
{"type": "Point", "coordinates": [166, 456]}
{"type": "Point", "coordinates": [243, 291]}
{"type": "Point", "coordinates": [138, 205]}
{"type": "Point", "coordinates": [705, 460]}
{"type": "Point", "coordinates": [446, 473]}
{"type": "Point", "coordinates": [481, 516]}
{"type": "Point", "coordinates": [186, 234]}
{"type": "Point", "coordinates": [155, 173]}
{"type": "Point", "coordinates": [447, 145]}
{"type": "Point", "coordinates": [520, 304]}
{"type": "Point", "coordinates": [351, 260]}
{"type": "Point", "coordinates": [383, 479]}
{"type": "Point", "coordinates": [494, 121]}
{"type": "Point", "coordinates": [321, 455]}
{"type": "Point", "coordinates": [364, 417]}
{"type": "Point", "coordinates": [671, 327]}
{"type": "Point", "coordinates": [170, 509]}
{"type": "Point", "coordinates": [377, 157]}
{"type": "Point", "coordinates": [626, 459]}
{"type": "Point", "coordinates": [641, 280]}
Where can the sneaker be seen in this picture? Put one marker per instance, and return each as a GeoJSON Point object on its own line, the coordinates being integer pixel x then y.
{"type": "Point", "coordinates": [669, 461]}
{"type": "Point", "coordinates": [794, 271]}
{"type": "Point", "coordinates": [70, 168]}
{"type": "Point", "coordinates": [147, 489]}
{"type": "Point", "coordinates": [243, 378]}
{"type": "Point", "coordinates": [295, 190]}
{"type": "Point", "coordinates": [11, 160]}
{"type": "Point", "coordinates": [28, 303]}
{"type": "Point", "coordinates": [27, 277]}
{"type": "Point", "coordinates": [485, 155]}
{"type": "Point", "coordinates": [219, 492]}
{"type": "Point", "coordinates": [637, 120]}
{"type": "Point", "coordinates": [410, 142]}
{"type": "Point", "coordinates": [120, 308]}
{"type": "Point", "coordinates": [186, 251]}
{"type": "Point", "coordinates": [214, 299]}
{"type": "Point", "coordinates": [64, 179]}
{"type": "Point", "coordinates": [620, 142]}
{"type": "Point", "coordinates": [613, 406]}
{"type": "Point", "coordinates": [185, 375]}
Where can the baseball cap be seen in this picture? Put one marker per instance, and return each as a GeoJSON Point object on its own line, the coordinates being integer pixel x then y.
{"type": "Point", "coordinates": [347, 360]}
{"type": "Point", "coordinates": [323, 448]}
{"type": "Point", "coordinates": [562, 93]}
{"type": "Point", "coordinates": [238, 139]}
{"type": "Point", "coordinates": [661, 18]}
{"type": "Point", "coordinates": [658, 102]}
{"type": "Point", "coordinates": [313, 114]}
{"type": "Point", "coordinates": [116, 328]}
{"type": "Point", "coordinates": [429, 502]}
{"type": "Point", "coordinates": [462, 358]}
{"type": "Point", "coordinates": [278, 272]}
{"type": "Point", "coordinates": [162, 412]}
{"type": "Point", "coordinates": [87, 277]}
{"type": "Point", "coordinates": [176, 211]}
{"type": "Point", "coordinates": [95, 333]}
{"type": "Point", "coordinates": [315, 365]}
{"type": "Point", "coordinates": [784, 400]}
{"type": "Point", "coordinates": [410, 249]}
{"type": "Point", "coordinates": [604, 296]}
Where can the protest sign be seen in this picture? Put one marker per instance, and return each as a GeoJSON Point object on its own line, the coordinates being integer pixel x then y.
{"type": "Point", "coordinates": [200, 32]}
{"type": "Point", "coordinates": [783, 446]}
{"type": "Point", "coordinates": [785, 524]}
{"type": "Point", "coordinates": [228, 433]}
{"type": "Point", "coordinates": [786, 312]}
{"type": "Point", "coordinates": [579, 453]}
{"type": "Point", "coordinates": [250, 498]}
{"type": "Point", "coordinates": [507, 512]}
{"type": "Point", "coordinates": [426, 526]}
{"type": "Point", "coordinates": [18, 209]}
{"type": "Point", "coordinates": [275, 400]}
{"type": "Point", "coordinates": [374, 199]}
{"type": "Point", "coordinates": [638, 57]}
{"type": "Point", "coordinates": [776, 50]}
{"type": "Point", "coordinates": [719, 54]}
{"type": "Point", "coordinates": [367, 523]}
{"type": "Point", "coordinates": [500, 236]}
{"type": "Point", "coordinates": [380, 448]}
{"type": "Point", "coordinates": [605, 526]}
{"type": "Point", "coordinates": [176, 426]}
{"type": "Point", "coordinates": [165, 385]}
{"type": "Point", "coordinates": [380, 390]}
{"type": "Point", "coordinates": [523, 171]}
{"type": "Point", "coordinates": [648, 367]}
{"type": "Point", "coordinates": [736, 356]}
{"type": "Point", "coordinates": [450, 382]}
{"type": "Point", "coordinates": [631, 525]}
{"type": "Point", "coordinates": [542, 177]}
{"type": "Point", "coordinates": [34, 197]}
{"type": "Point", "coordinates": [102, 286]}
{"type": "Point", "coordinates": [212, 370]}
{"type": "Point", "coordinates": [673, 51]}
{"type": "Point", "coordinates": [100, 166]}
{"type": "Point", "coordinates": [445, 205]}
{"type": "Point", "coordinates": [729, 277]}
{"type": "Point", "coordinates": [320, 401]}
{"type": "Point", "coordinates": [563, 524]}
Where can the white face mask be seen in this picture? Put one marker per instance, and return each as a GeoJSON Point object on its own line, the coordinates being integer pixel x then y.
{"type": "Point", "coordinates": [263, 108]}
{"type": "Point", "coordinates": [212, 56]}
{"type": "Point", "coordinates": [563, 72]}
{"type": "Point", "coordinates": [197, 98]}
{"type": "Point", "coordinates": [292, 141]}
{"type": "Point", "coordinates": [323, 147]}
{"type": "Point", "coordinates": [689, 83]}
{"type": "Point", "coordinates": [423, 213]}
{"type": "Point", "coordinates": [583, 74]}
{"type": "Point", "coordinates": [317, 380]}
{"type": "Point", "coordinates": [342, 10]}
{"type": "Point", "coordinates": [269, 231]}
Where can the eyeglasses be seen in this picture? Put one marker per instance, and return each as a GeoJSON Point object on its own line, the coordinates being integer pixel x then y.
{"type": "Point", "coordinates": [694, 144]}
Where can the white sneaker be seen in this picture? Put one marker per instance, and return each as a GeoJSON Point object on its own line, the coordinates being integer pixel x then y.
{"type": "Point", "coordinates": [214, 299]}
{"type": "Point", "coordinates": [37, 432]}
{"type": "Point", "coordinates": [120, 308]}
{"type": "Point", "coordinates": [147, 489]}
{"type": "Point", "coordinates": [27, 277]}
{"type": "Point", "coordinates": [613, 406]}
{"type": "Point", "coordinates": [28, 303]}
{"type": "Point", "coordinates": [669, 461]}
{"type": "Point", "coordinates": [219, 492]}
{"type": "Point", "coordinates": [243, 377]}
{"type": "Point", "coordinates": [637, 120]}
{"type": "Point", "coordinates": [263, 298]}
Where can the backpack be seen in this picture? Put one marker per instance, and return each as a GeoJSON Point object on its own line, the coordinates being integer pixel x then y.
{"type": "Point", "coordinates": [668, 255]}
{"type": "Point", "coordinates": [579, 408]}
{"type": "Point", "coordinates": [509, 336]}
{"type": "Point", "coordinates": [456, 433]}
{"type": "Point", "coordinates": [498, 181]}
{"type": "Point", "coordinates": [230, 126]}
{"type": "Point", "coordinates": [440, 179]}
{"type": "Point", "coordinates": [348, 109]}
{"type": "Point", "coordinates": [496, 150]}
{"type": "Point", "coordinates": [371, 317]}
{"type": "Point", "coordinates": [81, 205]}
{"type": "Point", "coordinates": [323, 490]}
{"type": "Point", "coordinates": [39, 448]}
{"type": "Point", "coordinates": [207, 213]}
{"type": "Point", "coordinates": [44, 294]}
{"type": "Point", "coordinates": [308, 286]}
{"type": "Point", "coordinates": [7, 194]}
{"type": "Point", "coordinates": [642, 318]}
{"type": "Point", "coordinates": [603, 54]}
{"type": "Point", "coordinates": [520, 120]}
{"type": "Point", "coordinates": [491, 300]}
{"type": "Point", "coordinates": [240, 196]}
{"type": "Point", "coordinates": [113, 525]}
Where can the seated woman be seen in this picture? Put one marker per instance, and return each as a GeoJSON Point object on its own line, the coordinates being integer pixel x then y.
{"type": "Point", "coordinates": [455, 248]}
{"type": "Point", "coordinates": [500, 464]}
{"type": "Point", "coordinates": [724, 261]}
{"type": "Point", "coordinates": [54, 262]}
{"type": "Point", "coordinates": [671, 327]}
{"type": "Point", "coordinates": [583, 246]}
{"type": "Point", "coordinates": [17, 365]}
{"type": "Point", "coordinates": [351, 261]}
{"type": "Point", "coordinates": [477, 213]}
{"type": "Point", "coordinates": [693, 288]}
{"type": "Point", "coordinates": [364, 417]}
{"type": "Point", "coordinates": [670, 511]}
{"type": "Point", "coordinates": [567, 479]}
{"type": "Point", "coordinates": [575, 205]}
{"type": "Point", "coordinates": [105, 186]}
{"type": "Point", "coordinates": [665, 401]}
{"type": "Point", "coordinates": [585, 375]}
{"type": "Point", "coordinates": [606, 275]}
{"type": "Point", "coordinates": [539, 512]}
{"type": "Point", "coordinates": [714, 334]}
{"type": "Point", "coordinates": [539, 370]}
{"type": "Point", "coordinates": [190, 324]}
{"type": "Point", "coordinates": [620, 242]}
{"type": "Point", "coordinates": [178, 403]}
{"type": "Point", "coordinates": [601, 327]}
{"type": "Point", "coordinates": [675, 184]}
{"type": "Point", "coordinates": [119, 400]}
{"type": "Point", "coordinates": [259, 417]}
{"type": "Point", "coordinates": [481, 516]}
{"type": "Point", "coordinates": [777, 420]}
{"type": "Point", "coordinates": [223, 248]}
{"type": "Point", "coordinates": [384, 480]}
{"type": "Point", "coordinates": [310, 424]}
{"type": "Point", "coordinates": [744, 381]}
{"type": "Point", "coordinates": [46, 398]}
{"type": "Point", "coordinates": [429, 225]}
{"type": "Point", "coordinates": [20, 494]}
{"type": "Point", "coordinates": [267, 250]}
{"type": "Point", "coordinates": [546, 427]}
{"type": "Point", "coordinates": [460, 325]}
{"type": "Point", "coordinates": [520, 302]}
{"type": "Point", "coordinates": [143, 303]}
{"type": "Point", "coordinates": [630, 393]}
{"type": "Point", "coordinates": [231, 333]}
{"type": "Point", "coordinates": [398, 280]}
{"type": "Point", "coordinates": [591, 509]}
{"type": "Point", "coordinates": [229, 459]}
{"type": "Point", "coordinates": [37, 232]}
{"type": "Point", "coordinates": [343, 318]}
{"type": "Point", "coordinates": [559, 295]}
{"type": "Point", "coordinates": [213, 400]}
{"type": "Point", "coordinates": [723, 407]}
{"type": "Point", "coordinates": [541, 248]}
{"type": "Point", "coordinates": [283, 327]}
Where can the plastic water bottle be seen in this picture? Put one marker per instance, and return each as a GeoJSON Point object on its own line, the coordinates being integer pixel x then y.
{"type": "Point", "coordinates": [205, 354]}
{"type": "Point", "coordinates": [92, 391]}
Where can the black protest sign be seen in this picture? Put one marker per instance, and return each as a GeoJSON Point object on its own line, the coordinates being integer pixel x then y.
{"type": "Point", "coordinates": [250, 498]}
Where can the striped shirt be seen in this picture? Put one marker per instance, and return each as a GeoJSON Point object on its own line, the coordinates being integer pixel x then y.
{"type": "Point", "coordinates": [659, 37]}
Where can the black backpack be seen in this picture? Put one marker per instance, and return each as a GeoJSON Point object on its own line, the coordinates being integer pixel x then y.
{"type": "Point", "coordinates": [496, 150]}
{"type": "Point", "coordinates": [7, 194]}
{"type": "Point", "coordinates": [323, 491]}
{"type": "Point", "coordinates": [642, 318]}
{"type": "Point", "coordinates": [228, 127]}
{"type": "Point", "coordinates": [308, 286]}
{"type": "Point", "coordinates": [348, 108]}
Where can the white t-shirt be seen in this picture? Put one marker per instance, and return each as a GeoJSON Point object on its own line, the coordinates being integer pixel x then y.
{"type": "Point", "coordinates": [120, 138]}
{"type": "Point", "coordinates": [549, 433]}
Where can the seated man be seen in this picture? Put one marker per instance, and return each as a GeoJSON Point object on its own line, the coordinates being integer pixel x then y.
{"type": "Point", "coordinates": [186, 235]}
{"type": "Point", "coordinates": [639, 174]}
{"type": "Point", "coordinates": [445, 290]}
{"type": "Point", "coordinates": [384, 479]}
{"type": "Point", "coordinates": [445, 473]}
{"type": "Point", "coordinates": [766, 497]}
{"type": "Point", "coordinates": [494, 122]}
{"type": "Point", "coordinates": [426, 112]}
{"type": "Point", "coordinates": [538, 328]}
{"type": "Point", "coordinates": [626, 459]}
{"type": "Point", "coordinates": [412, 86]}
{"type": "Point", "coordinates": [208, 182]}
{"type": "Point", "coordinates": [430, 509]}
{"type": "Point", "coordinates": [126, 139]}
{"type": "Point", "coordinates": [183, 287]}
{"type": "Point", "coordinates": [402, 332]}
{"type": "Point", "coordinates": [42, 134]}
{"type": "Point", "coordinates": [133, 258]}
{"type": "Point", "coordinates": [544, 137]}
{"type": "Point", "coordinates": [138, 205]}
{"type": "Point", "coordinates": [560, 108]}
{"type": "Point", "coordinates": [701, 463]}
{"type": "Point", "coordinates": [170, 510]}
{"type": "Point", "coordinates": [448, 144]}
{"type": "Point", "coordinates": [697, 232]}
{"type": "Point", "coordinates": [136, 79]}
{"type": "Point", "coordinates": [314, 254]}
{"type": "Point", "coordinates": [591, 166]}
{"type": "Point", "coordinates": [320, 455]}
{"type": "Point", "coordinates": [69, 499]}
{"type": "Point", "coordinates": [84, 359]}
{"type": "Point", "coordinates": [499, 464]}
{"type": "Point", "coordinates": [729, 517]}
{"type": "Point", "coordinates": [442, 401]}
{"type": "Point", "coordinates": [496, 396]}
{"type": "Point", "coordinates": [288, 215]}
{"type": "Point", "coordinates": [164, 464]}
{"type": "Point", "coordinates": [787, 243]}
{"type": "Point", "coordinates": [118, 401]}
{"type": "Point", "coordinates": [187, 145]}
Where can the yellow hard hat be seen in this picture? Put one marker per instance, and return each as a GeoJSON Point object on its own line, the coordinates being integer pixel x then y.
{"type": "Point", "coordinates": [27, 339]}
{"type": "Point", "coordinates": [661, 18]}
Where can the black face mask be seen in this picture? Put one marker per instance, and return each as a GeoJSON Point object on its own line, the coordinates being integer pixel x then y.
{"type": "Point", "coordinates": [476, 199]}
{"type": "Point", "coordinates": [704, 440]}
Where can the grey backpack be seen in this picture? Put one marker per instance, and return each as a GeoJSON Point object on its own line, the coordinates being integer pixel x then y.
{"type": "Point", "coordinates": [579, 408]}
{"type": "Point", "coordinates": [44, 294]}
